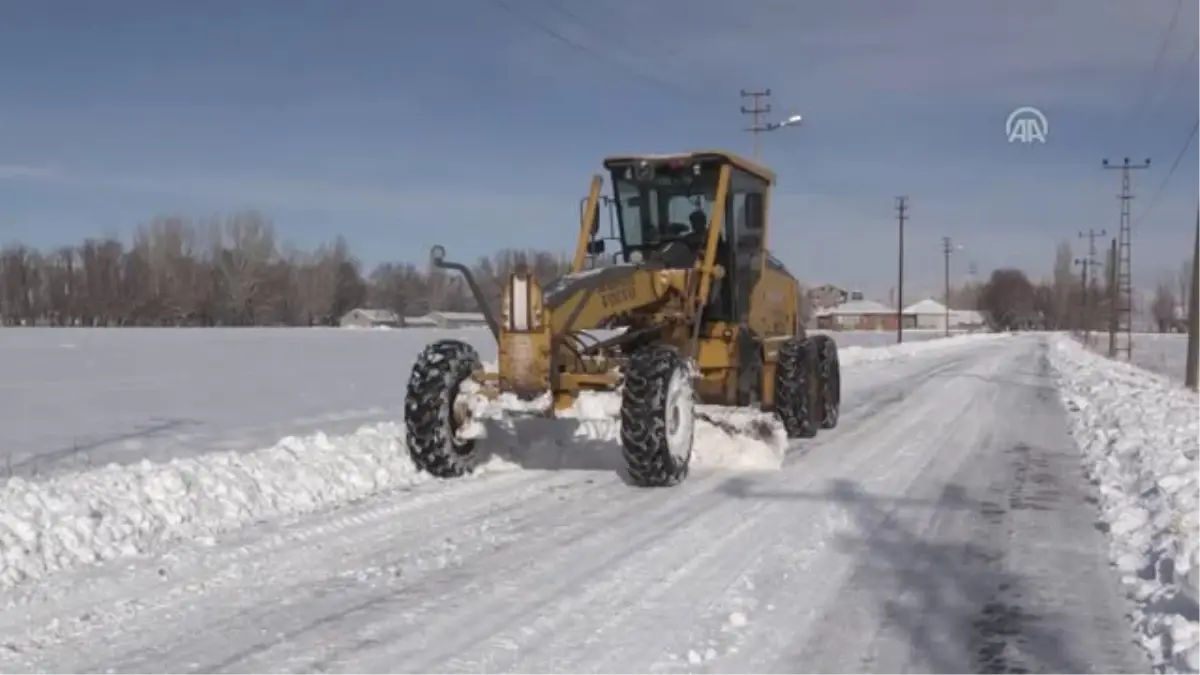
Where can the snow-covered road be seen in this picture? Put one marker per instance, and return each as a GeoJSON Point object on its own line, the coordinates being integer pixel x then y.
{"type": "Point", "coordinates": [944, 526]}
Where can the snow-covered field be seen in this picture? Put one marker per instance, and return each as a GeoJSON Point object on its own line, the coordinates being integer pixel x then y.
{"type": "Point", "coordinates": [1140, 437]}
{"type": "Point", "coordinates": [944, 526]}
{"type": "Point", "coordinates": [74, 398]}
{"type": "Point", "coordinates": [1162, 353]}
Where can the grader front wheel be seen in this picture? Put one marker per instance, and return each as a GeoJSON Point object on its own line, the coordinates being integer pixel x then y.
{"type": "Point", "coordinates": [657, 417]}
{"type": "Point", "coordinates": [429, 409]}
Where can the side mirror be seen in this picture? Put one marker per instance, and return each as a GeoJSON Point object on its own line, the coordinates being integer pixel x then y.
{"type": "Point", "coordinates": [595, 247]}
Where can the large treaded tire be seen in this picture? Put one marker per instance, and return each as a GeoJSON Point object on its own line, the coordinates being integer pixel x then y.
{"type": "Point", "coordinates": [428, 416]}
{"type": "Point", "coordinates": [829, 374]}
{"type": "Point", "coordinates": [795, 390]}
{"type": "Point", "coordinates": [657, 417]}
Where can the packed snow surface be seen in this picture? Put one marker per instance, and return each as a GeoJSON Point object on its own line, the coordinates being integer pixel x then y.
{"type": "Point", "coordinates": [1140, 435]}
{"type": "Point", "coordinates": [122, 510]}
{"type": "Point", "coordinates": [929, 532]}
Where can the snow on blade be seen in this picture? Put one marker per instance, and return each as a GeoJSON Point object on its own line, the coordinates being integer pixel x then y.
{"type": "Point", "coordinates": [1140, 436]}
{"type": "Point", "coordinates": [588, 435]}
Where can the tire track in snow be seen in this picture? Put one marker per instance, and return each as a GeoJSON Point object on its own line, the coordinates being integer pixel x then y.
{"type": "Point", "coordinates": [721, 560]}
{"type": "Point", "coordinates": [877, 450]}
{"type": "Point", "coordinates": [538, 537]}
{"type": "Point", "coordinates": [388, 646]}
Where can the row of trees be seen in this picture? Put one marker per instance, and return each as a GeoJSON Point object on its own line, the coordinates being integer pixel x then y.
{"type": "Point", "coordinates": [234, 271]}
{"type": "Point", "coordinates": [231, 272]}
{"type": "Point", "coordinates": [1169, 306]}
{"type": "Point", "coordinates": [1063, 302]}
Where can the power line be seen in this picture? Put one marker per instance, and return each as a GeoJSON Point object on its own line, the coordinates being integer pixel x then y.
{"type": "Point", "coordinates": [620, 65]}
{"type": "Point", "coordinates": [1148, 83]}
{"type": "Point", "coordinates": [1167, 179]}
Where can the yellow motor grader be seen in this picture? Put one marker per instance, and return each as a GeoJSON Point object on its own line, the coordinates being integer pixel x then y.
{"type": "Point", "coordinates": [698, 309]}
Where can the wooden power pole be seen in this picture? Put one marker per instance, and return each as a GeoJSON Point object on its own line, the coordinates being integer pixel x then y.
{"type": "Point", "coordinates": [901, 216]}
{"type": "Point", "coordinates": [1192, 378]}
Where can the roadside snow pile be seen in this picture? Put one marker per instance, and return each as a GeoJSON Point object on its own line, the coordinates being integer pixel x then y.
{"type": "Point", "coordinates": [1140, 436]}
{"type": "Point", "coordinates": [855, 354]}
{"type": "Point", "coordinates": [125, 510]}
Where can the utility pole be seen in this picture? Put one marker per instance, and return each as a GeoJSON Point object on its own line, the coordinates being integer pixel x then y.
{"type": "Point", "coordinates": [1192, 377]}
{"type": "Point", "coordinates": [1089, 264]}
{"type": "Point", "coordinates": [1124, 275]}
{"type": "Point", "coordinates": [756, 110]}
{"type": "Point", "coordinates": [1112, 299]}
{"type": "Point", "coordinates": [947, 248]}
{"type": "Point", "coordinates": [901, 216]}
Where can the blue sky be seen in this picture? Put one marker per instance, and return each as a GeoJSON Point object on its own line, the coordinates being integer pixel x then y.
{"type": "Point", "coordinates": [400, 124]}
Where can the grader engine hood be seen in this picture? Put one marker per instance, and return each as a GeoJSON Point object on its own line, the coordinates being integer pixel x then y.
{"type": "Point", "coordinates": [581, 300]}
{"type": "Point", "coordinates": [569, 285]}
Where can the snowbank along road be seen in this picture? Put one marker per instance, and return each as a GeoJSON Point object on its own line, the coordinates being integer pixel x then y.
{"type": "Point", "coordinates": [944, 526]}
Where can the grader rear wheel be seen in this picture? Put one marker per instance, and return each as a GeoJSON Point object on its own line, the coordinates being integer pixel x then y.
{"type": "Point", "coordinates": [829, 376]}
{"type": "Point", "coordinates": [796, 390]}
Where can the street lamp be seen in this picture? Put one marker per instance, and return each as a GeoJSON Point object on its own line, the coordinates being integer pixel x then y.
{"type": "Point", "coordinates": [792, 121]}
{"type": "Point", "coordinates": [789, 122]}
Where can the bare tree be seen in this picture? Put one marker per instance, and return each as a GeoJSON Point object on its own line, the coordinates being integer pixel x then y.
{"type": "Point", "coordinates": [247, 250]}
{"type": "Point", "coordinates": [1162, 308]}
{"type": "Point", "coordinates": [1064, 286]}
{"type": "Point", "coordinates": [1009, 299]}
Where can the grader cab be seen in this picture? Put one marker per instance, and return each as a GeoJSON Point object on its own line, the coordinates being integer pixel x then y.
{"type": "Point", "coordinates": [697, 309]}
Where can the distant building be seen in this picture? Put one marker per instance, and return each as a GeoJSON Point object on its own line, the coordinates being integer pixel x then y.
{"type": "Point", "coordinates": [369, 318]}
{"type": "Point", "coordinates": [425, 321]}
{"type": "Point", "coordinates": [458, 319]}
{"type": "Point", "coordinates": [446, 320]}
{"type": "Point", "coordinates": [931, 314]}
{"type": "Point", "coordinates": [826, 296]}
{"type": "Point", "coordinates": [861, 314]}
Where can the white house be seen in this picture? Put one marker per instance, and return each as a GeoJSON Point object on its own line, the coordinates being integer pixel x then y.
{"type": "Point", "coordinates": [369, 318]}
{"type": "Point", "coordinates": [931, 314]}
{"type": "Point", "coordinates": [446, 320]}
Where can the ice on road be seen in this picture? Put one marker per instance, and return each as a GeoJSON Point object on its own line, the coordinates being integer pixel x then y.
{"type": "Point", "coordinates": [944, 526]}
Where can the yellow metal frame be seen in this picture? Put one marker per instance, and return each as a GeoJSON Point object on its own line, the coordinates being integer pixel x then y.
{"type": "Point", "coordinates": [587, 223]}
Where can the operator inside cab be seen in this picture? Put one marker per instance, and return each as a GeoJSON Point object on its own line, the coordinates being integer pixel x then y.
{"type": "Point", "coordinates": [698, 237]}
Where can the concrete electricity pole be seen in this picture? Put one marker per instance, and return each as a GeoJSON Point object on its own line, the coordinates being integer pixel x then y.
{"type": "Point", "coordinates": [1124, 275]}
{"type": "Point", "coordinates": [755, 111]}
{"type": "Point", "coordinates": [1089, 264]}
{"type": "Point", "coordinates": [947, 249]}
{"type": "Point", "coordinates": [901, 216]}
